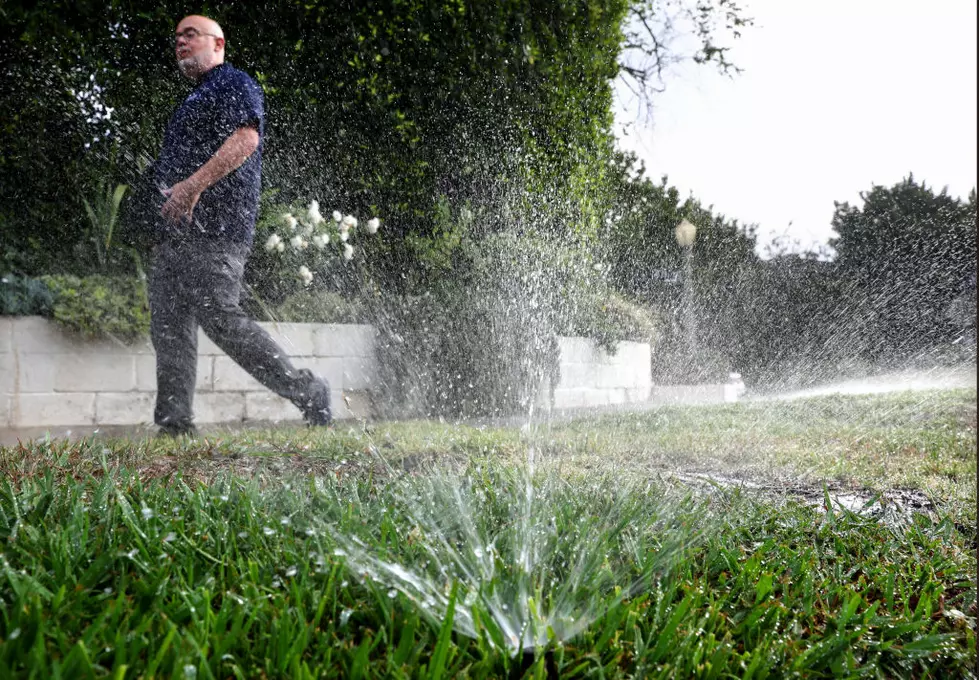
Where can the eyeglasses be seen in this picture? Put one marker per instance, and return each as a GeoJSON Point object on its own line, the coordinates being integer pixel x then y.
{"type": "Point", "coordinates": [190, 34]}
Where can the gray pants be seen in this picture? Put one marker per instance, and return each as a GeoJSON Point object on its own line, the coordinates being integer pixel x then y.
{"type": "Point", "coordinates": [200, 284]}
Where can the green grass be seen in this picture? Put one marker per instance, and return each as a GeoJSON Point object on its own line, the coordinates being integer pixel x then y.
{"type": "Point", "coordinates": [912, 440]}
{"type": "Point", "coordinates": [218, 558]}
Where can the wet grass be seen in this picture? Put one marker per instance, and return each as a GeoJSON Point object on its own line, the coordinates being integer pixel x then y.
{"type": "Point", "coordinates": [215, 558]}
{"type": "Point", "coordinates": [924, 440]}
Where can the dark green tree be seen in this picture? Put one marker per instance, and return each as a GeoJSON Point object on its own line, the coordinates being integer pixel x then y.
{"type": "Point", "coordinates": [910, 253]}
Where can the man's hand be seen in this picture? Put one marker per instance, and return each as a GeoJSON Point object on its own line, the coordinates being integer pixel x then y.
{"type": "Point", "coordinates": [182, 198]}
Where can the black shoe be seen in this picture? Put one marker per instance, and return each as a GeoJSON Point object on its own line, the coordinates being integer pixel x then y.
{"type": "Point", "coordinates": [174, 430]}
{"type": "Point", "coordinates": [315, 404]}
{"type": "Point", "coordinates": [318, 417]}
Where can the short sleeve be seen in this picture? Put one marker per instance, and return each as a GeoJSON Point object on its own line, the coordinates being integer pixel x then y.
{"type": "Point", "coordinates": [242, 104]}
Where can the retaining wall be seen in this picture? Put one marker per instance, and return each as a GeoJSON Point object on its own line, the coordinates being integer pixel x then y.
{"type": "Point", "coordinates": [52, 378]}
{"type": "Point", "coordinates": [591, 377]}
{"type": "Point", "coordinates": [49, 377]}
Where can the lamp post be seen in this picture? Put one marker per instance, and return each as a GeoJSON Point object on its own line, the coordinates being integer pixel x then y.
{"type": "Point", "coordinates": [685, 234]}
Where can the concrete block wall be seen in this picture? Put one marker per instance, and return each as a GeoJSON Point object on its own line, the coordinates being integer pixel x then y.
{"type": "Point", "coordinates": [49, 377]}
{"type": "Point", "coordinates": [592, 377]}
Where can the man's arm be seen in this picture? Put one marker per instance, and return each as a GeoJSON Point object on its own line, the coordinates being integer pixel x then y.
{"type": "Point", "coordinates": [182, 197]}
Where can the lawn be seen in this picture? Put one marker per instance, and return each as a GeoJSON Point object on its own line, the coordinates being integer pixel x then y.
{"type": "Point", "coordinates": [678, 542]}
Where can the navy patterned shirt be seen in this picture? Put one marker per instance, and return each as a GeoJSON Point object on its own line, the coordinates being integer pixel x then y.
{"type": "Point", "coordinates": [224, 100]}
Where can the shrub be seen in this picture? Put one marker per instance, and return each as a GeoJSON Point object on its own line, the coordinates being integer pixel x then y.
{"type": "Point", "coordinates": [479, 336]}
{"type": "Point", "coordinates": [460, 351]}
{"type": "Point", "coordinates": [608, 318]}
{"type": "Point", "coordinates": [99, 306]}
{"type": "Point", "coordinates": [23, 296]}
{"type": "Point", "coordinates": [298, 249]}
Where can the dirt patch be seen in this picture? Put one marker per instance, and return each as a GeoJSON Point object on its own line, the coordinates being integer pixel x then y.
{"type": "Point", "coordinates": [888, 503]}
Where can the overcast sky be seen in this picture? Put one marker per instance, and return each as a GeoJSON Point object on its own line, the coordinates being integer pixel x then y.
{"type": "Point", "coordinates": [836, 96]}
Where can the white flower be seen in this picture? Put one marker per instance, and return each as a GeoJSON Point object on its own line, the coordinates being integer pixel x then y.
{"type": "Point", "coordinates": [344, 235]}
{"type": "Point", "coordinates": [373, 225]}
{"type": "Point", "coordinates": [280, 246]}
{"type": "Point", "coordinates": [337, 216]}
{"type": "Point", "coordinates": [273, 243]}
{"type": "Point", "coordinates": [349, 222]}
{"type": "Point", "coordinates": [314, 213]}
{"type": "Point", "coordinates": [305, 275]}
{"type": "Point", "coordinates": [290, 221]}
{"type": "Point", "coordinates": [297, 242]}
{"type": "Point", "coordinates": [348, 252]}
{"type": "Point", "coordinates": [320, 240]}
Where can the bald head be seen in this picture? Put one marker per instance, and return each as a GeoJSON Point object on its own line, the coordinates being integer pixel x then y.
{"type": "Point", "coordinates": [203, 24]}
{"type": "Point", "coordinates": [199, 45]}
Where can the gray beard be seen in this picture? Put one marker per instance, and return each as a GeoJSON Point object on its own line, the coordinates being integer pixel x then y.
{"type": "Point", "coordinates": [189, 67]}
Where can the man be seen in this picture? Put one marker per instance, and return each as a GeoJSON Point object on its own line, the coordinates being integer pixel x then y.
{"type": "Point", "coordinates": [208, 173]}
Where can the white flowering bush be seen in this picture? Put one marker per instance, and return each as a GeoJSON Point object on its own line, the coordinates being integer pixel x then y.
{"type": "Point", "coordinates": [297, 248]}
{"type": "Point", "coordinates": [307, 239]}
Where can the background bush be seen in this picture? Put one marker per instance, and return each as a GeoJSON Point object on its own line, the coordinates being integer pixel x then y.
{"type": "Point", "coordinates": [100, 306]}
{"type": "Point", "coordinates": [477, 332]}
{"type": "Point", "coordinates": [271, 277]}
{"type": "Point", "coordinates": [23, 296]}
{"type": "Point", "coordinates": [608, 318]}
